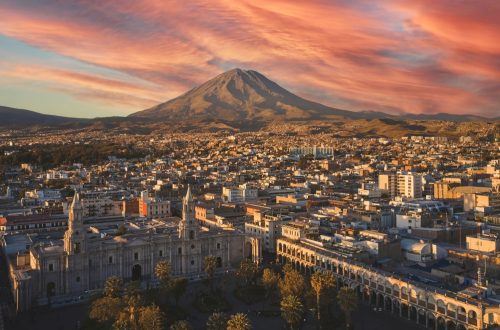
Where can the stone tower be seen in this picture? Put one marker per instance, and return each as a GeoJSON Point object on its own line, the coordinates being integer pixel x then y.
{"type": "Point", "coordinates": [75, 247]}
{"type": "Point", "coordinates": [188, 227]}
{"type": "Point", "coordinates": [190, 247]}
{"type": "Point", "coordinates": [74, 237]}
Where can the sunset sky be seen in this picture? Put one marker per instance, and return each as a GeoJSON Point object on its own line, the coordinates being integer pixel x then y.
{"type": "Point", "coordinates": [101, 58]}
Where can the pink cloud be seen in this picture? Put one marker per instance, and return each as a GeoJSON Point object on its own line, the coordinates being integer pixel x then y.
{"type": "Point", "coordinates": [415, 56]}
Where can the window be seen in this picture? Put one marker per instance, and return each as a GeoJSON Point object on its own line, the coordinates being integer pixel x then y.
{"type": "Point", "coordinates": [192, 246]}
{"type": "Point", "coordinates": [192, 262]}
{"type": "Point", "coordinates": [218, 246]}
{"type": "Point", "coordinates": [191, 234]}
{"type": "Point", "coordinates": [110, 259]}
{"type": "Point", "coordinates": [78, 278]}
{"type": "Point", "coordinates": [136, 256]}
{"type": "Point", "coordinates": [51, 267]}
{"type": "Point", "coordinates": [160, 253]}
{"type": "Point", "coordinates": [180, 250]}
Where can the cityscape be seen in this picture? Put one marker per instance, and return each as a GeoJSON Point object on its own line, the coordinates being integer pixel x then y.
{"type": "Point", "coordinates": [185, 188]}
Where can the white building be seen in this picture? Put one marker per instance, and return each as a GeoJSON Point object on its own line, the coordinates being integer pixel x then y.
{"type": "Point", "coordinates": [409, 185]}
{"type": "Point", "coordinates": [240, 194]}
{"type": "Point", "coordinates": [267, 228]}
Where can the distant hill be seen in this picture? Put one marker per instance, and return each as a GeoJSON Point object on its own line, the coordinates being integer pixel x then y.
{"type": "Point", "coordinates": [12, 117]}
{"type": "Point", "coordinates": [249, 96]}
{"type": "Point", "coordinates": [238, 95]}
{"type": "Point", "coordinates": [245, 100]}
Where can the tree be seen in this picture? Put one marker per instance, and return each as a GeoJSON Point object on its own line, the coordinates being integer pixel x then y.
{"type": "Point", "coordinates": [270, 280]}
{"type": "Point", "coordinates": [209, 266]}
{"type": "Point", "coordinates": [178, 287]}
{"type": "Point", "coordinates": [348, 301]}
{"type": "Point", "coordinates": [291, 310]}
{"type": "Point", "coordinates": [321, 281]}
{"type": "Point", "coordinates": [105, 309]}
{"type": "Point", "coordinates": [150, 318]}
{"type": "Point", "coordinates": [239, 321]}
{"type": "Point", "coordinates": [181, 325]}
{"type": "Point", "coordinates": [248, 271]}
{"type": "Point", "coordinates": [113, 287]}
{"type": "Point", "coordinates": [292, 283]}
{"type": "Point", "coordinates": [162, 272]}
{"type": "Point", "coordinates": [129, 316]}
{"type": "Point", "coordinates": [217, 321]}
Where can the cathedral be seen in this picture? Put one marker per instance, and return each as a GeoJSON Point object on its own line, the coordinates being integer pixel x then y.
{"type": "Point", "coordinates": [86, 259]}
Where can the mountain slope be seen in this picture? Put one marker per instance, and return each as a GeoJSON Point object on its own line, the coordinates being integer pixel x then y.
{"type": "Point", "coordinates": [244, 95]}
{"type": "Point", "coordinates": [20, 117]}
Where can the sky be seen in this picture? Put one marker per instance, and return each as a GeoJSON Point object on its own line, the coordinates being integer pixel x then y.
{"type": "Point", "coordinates": [96, 58]}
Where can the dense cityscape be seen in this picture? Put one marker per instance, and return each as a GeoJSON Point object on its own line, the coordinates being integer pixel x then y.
{"type": "Point", "coordinates": [250, 165]}
{"type": "Point", "coordinates": [291, 226]}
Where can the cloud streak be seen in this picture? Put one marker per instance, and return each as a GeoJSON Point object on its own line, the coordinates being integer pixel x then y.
{"type": "Point", "coordinates": [390, 55]}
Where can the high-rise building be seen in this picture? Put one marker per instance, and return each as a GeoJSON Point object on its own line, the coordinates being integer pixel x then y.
{"type": "Point", "coordinates": [409, 185]}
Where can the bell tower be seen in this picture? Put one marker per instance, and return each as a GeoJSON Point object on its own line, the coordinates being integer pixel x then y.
{"type": "Point", "coordinates": [74, 237]}
{"type": "Point", "coordinates": [188, 227]}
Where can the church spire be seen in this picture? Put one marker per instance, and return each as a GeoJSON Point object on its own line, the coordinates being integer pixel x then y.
{"type": "Point", "coordinates": [74, 237]}
{"type": "Point", "coordinates": [77, 203]}
{"type": "Point", "coordinates": [188, 227]}
{"type": "Point", "coordinates": [189, 195]}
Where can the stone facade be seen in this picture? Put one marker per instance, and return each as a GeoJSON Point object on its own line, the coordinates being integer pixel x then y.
{"type": "Point", "coordinates": [428, 306]}
{"type": "Point", "coordinates": [85, 261]}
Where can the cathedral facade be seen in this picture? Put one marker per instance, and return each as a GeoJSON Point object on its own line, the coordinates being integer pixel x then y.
{"type": "Point", "coordinates": [86, 260]}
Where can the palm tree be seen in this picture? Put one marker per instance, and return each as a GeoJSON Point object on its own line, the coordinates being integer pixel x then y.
{"type": "Point", "coordinates": [105, 309]}
{"type": "Point", "coordinates": [162, 272]}
{"type": "Point", "coordinates": [348, 301]}
{"type": "Point", "coordinates": [292, 284]}
{"type": "Point", "coordinates": [217, 321]}
{"type": "Point", "coordinates": [270, 280]}
{"type": "Point", "coordinates": [248, 271]}
{"type": "Point", "coordinates": [209, 265]}
{"type": "Point", "coordinates": [113, 287]}
{"type": "Point", "coordinates": [239, 321]}
{"type": "Point", "coordinates": [150, 318]}
{"type": "Point", "coordinates": [321, 281]}
{"type": "Point", "coordinates": [291, 310]}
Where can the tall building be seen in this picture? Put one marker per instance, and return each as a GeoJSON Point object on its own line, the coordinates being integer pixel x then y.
{"type": "Point", "coordinates": [409, 185]}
